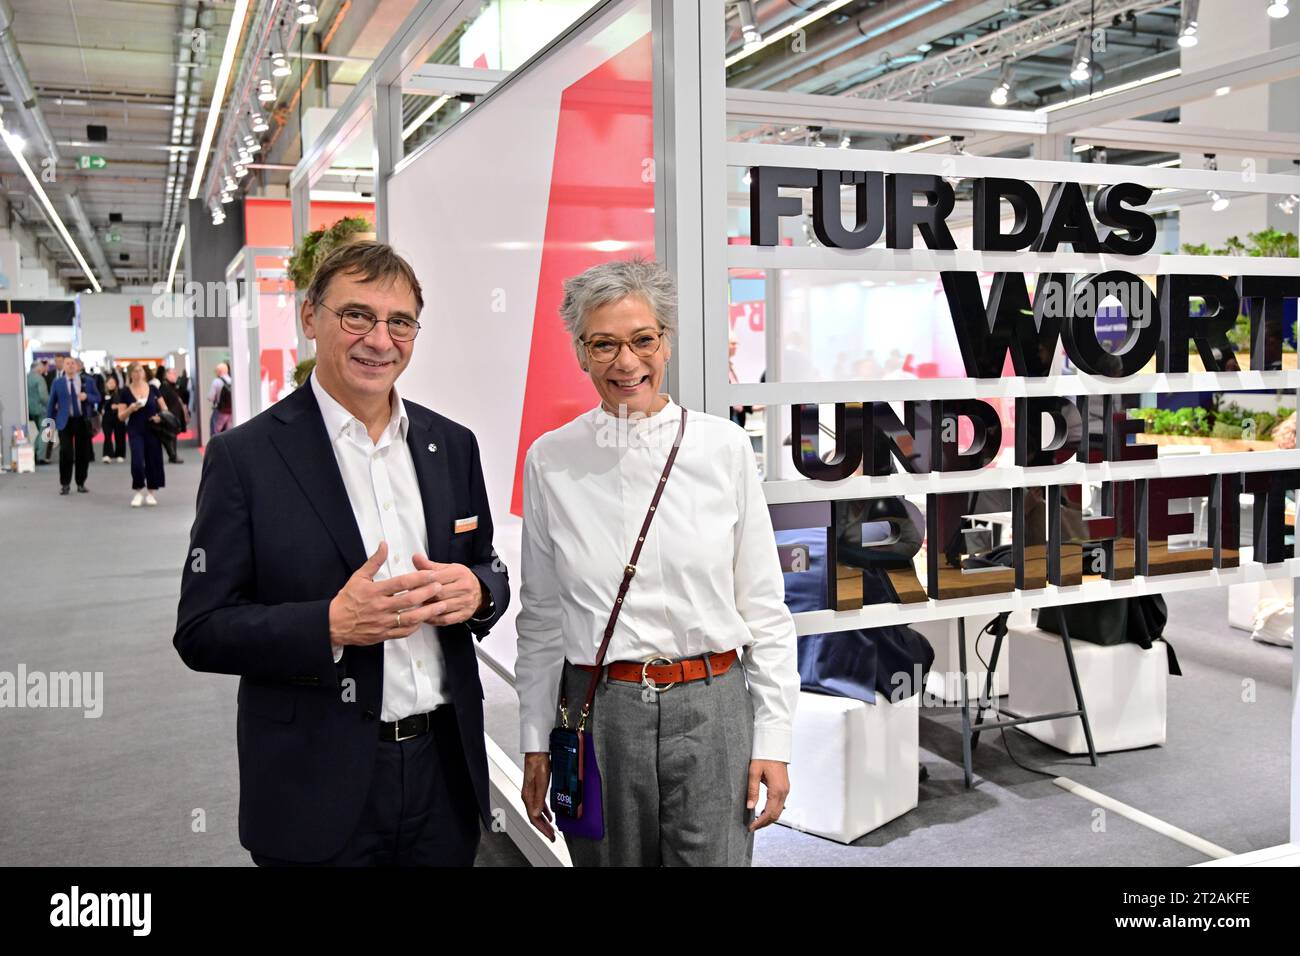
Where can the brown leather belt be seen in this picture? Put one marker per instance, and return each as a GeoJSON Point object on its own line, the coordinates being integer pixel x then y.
{"type": "Point", "coordinates": [662, 671]}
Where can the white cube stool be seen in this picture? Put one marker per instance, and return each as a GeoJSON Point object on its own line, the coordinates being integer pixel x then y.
{"type": "Point", "coordinates": [1123, 689]}
{"type": "Point", "coordinates": [854, 766]}
{"type": "Point", "coordinates": [944, 680]}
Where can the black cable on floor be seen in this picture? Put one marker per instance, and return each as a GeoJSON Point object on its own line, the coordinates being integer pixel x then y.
{"type": "Point", "coordinates": [1002, 730]}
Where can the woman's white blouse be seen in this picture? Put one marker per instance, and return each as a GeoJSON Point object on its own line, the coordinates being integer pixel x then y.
{"type": "Point", "coordinates": [708, 579]}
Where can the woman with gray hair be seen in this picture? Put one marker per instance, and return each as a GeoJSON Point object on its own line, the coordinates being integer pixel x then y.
{"type": "Point", "coordinates": [692, 709]}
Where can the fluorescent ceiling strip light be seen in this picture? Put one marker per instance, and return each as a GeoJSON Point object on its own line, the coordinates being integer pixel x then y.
{"type": "Point", "coordinates": [9, 139]}
{"type": "Point", "coordinates": [176, 256]}
{"type": "Point", "coordinates": [1132, 85]}
{"type": "Point", "coordinates": [219, 92]}
{"type": "Point", "coordinates": [428, 111]}
{"type": "Point", "coordinates": [787, 30]}
{"type": "Point", "coordinates": [917, 147]}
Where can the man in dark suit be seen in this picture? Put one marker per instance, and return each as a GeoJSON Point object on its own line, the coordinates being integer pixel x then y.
{"type": "Point", "coordinates": [360, 724]}
{"type": "Point", "coordinates": [73, 399]}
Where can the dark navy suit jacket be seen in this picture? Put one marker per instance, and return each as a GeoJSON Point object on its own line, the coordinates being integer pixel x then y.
{"type": "Point", "coordinates": [278, 540]}
{"type": "Point", "coordinates": [62, 400]}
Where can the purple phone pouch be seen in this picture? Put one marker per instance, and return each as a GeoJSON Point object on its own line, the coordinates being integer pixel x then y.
{"type": "Point", "coordinates": [591, 825]}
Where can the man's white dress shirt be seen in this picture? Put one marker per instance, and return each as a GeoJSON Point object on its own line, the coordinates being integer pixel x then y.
{"type": "Point", "coordinates": [708, 579]}
{"type": "Point", "coordinates": [385, 497]}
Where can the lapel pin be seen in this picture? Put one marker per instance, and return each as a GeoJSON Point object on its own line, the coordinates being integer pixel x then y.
{"type": "Point", "coordinates": [432, 447]}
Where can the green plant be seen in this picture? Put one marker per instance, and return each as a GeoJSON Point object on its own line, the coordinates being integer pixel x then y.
{"type": "Point", "coordinates": [1223, 420]}
{"type": "Point", "coordinates": [1267, 242]}
{"type": "Point", "coordinates": [315, 246]}
{"type": "Point", "coordinates": [302, 371]}
{"type": "Point", "coordinates": [1239, 334]}
{"type": "Point", "coordinates": [1224, 430]}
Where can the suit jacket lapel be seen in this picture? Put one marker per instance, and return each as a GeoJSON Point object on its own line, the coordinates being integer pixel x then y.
{"type": "Point", "coordinates": [305, 447]}
{"type": "Point", "coordinates": [429, 454]}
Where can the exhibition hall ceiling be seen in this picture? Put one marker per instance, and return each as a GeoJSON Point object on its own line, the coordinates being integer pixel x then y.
{"type": "Point", "coordinates": [123, 88]}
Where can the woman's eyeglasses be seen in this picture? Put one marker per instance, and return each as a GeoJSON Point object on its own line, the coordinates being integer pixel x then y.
{"type": "Point", "coordinates": [605, 348]}
{"type": "Point", "coordinates": [360, 322]}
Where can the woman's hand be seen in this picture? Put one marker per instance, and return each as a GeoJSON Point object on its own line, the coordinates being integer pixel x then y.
{"type": "Point", "coordinates": [537, 781]}
{"type": "Point", "coordinates": [776, 777]}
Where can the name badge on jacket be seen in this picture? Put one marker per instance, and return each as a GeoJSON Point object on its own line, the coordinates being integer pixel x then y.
{"type": "Point", "coordinates": [466, 524]}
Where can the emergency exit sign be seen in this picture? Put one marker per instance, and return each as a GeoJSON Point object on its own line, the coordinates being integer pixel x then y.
{"type": "Point", "coordinates": [91, 162]}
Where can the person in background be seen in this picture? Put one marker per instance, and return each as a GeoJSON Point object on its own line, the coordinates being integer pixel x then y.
{"type": "Point", "coordinates": [172, 399]}
{"type": "Point", "coordinates": [38, 398]}
{"type": "Point", "coordinates": [183, 386]}
{"type": "Point", "coordinates": [738, 412]}
{"type": "Point", "coordinates": [139, 404]}
{"type": "Point", "coordinates": [94, 373]}
{"type": "Point", "coordinates": [685, 729]}
{"type": "Point", "coordinates": [220, 396]}
{"type": "Point", "coordinates": [114, 427]}
{"type": "Point", "coordinates": [73, 398]}
{"type": "Point", "coordinates": [54, 370]}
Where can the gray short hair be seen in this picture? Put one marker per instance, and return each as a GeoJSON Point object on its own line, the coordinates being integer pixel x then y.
{"type": "Point", "coordinates": [613, 281]}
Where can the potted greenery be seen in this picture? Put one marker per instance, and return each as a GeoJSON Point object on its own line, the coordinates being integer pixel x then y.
{"type": "Point", "coordinates": [1224, 427]}
{"type": "Point", "coordinates": [1268, 242]}
{"type": "Point", "coordinates": [315, 246]}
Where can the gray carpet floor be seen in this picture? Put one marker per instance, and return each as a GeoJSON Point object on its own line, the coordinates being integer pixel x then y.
{"type": "Point", "coordinates": [90, 584]}
{"type": "Point", "coordinates": [1222, 774]}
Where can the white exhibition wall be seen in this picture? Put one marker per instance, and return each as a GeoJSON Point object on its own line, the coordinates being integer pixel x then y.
{"type": "Point", "coordinates": [475, 214]}
{"type": "Point", "coordinates": [106, 325]}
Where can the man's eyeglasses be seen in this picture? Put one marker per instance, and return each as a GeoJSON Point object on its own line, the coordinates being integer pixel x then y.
{"type": "Point", "coordinates": [360, 322]}
{"type": "Point", "coordinates": [603, 349]}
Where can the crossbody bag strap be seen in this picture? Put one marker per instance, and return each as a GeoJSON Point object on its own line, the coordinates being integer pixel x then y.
{"type": "Point", "coordinates": [629, 570]}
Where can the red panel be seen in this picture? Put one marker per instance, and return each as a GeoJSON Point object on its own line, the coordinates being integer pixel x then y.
{"type": "Point", "coordinates": [269, 222]}
{"type": "Point", "coordinates": [273, 371]}
{"type": "Point", "coordinates": [602, 190]}
{"type": "Point", "coordinates": [11, 323]}
{"type": "Point", "coordinates": [137, 318]}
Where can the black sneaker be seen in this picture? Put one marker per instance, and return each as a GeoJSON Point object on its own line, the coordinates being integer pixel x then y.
{"type": "Point", "coordinates": [63, 489]}
{"type": "Point", "coordinates": [82, 489]}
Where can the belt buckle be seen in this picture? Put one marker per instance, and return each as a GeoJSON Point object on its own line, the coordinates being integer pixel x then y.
{"type": "Point", "coordinates": [397, 733]}
{"type": "Point", "coordinates": [645, 677]}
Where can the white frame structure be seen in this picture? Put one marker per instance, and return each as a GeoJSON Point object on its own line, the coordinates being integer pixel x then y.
{"type": "Point", "coordinates": [693, 108]}
{"type": "Point", "coordinates": [242, 274]}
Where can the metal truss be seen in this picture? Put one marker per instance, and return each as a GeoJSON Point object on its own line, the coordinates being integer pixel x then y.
{"type": "Point", "coordinates": [1053, 28]}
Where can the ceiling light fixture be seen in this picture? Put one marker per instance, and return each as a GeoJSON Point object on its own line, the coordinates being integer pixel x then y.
{"type": "Point", "coordinates": [1002, 92]}
{"type": "Point", "coordinates": [307, 13]}
{"type": "Point", "coordinates": [1187, 23]}
{"type": "Point", "coordinates": [1082, 61]}
{"type": "Point", "coordinates": [16, 147]}
{"type": "Point", "coordinates": [1277, 9]}
{"type": "Point", "coordinates": [1218, 202]}
{"type": "Point", "coordinates": [219, 92]}
{"type": "Point", "coordinates": [787, 30]}
{"type": "Point", "coordinates": [749, 31]}
{"type": "Point", "coordinates": [176, 257]}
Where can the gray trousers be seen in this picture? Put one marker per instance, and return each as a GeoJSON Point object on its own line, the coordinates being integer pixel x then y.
{"type": "Point", "coordinates": [674, 770]}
